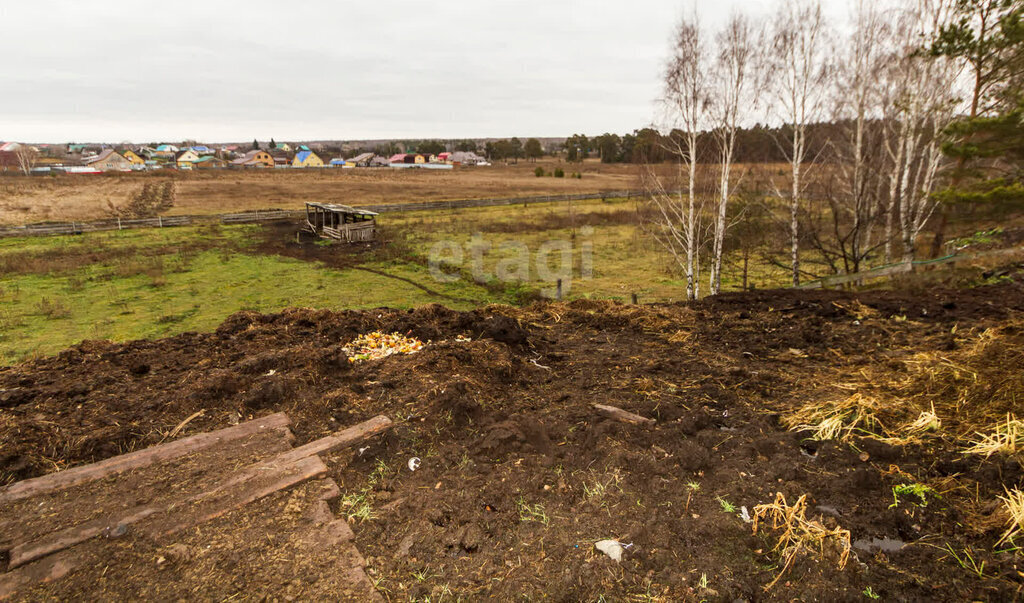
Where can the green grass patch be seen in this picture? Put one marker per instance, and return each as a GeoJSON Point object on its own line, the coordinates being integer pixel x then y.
{"type": "Point", "coordinates": [150, 283]}
{"type": "Point", "coordinates": [44, 313]}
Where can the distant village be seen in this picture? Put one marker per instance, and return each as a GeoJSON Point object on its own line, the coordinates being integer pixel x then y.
{"type": "Point", "coordinates": [88, 159]}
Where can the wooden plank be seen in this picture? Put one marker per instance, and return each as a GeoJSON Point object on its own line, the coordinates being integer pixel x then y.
{"type": "Point", "coordinates": [618, 414]}
{"type": "Point", "coordinates": [241, 487]}
{"type": "Point", "coordinates": [236, 493]}
{"type": "Point", "coordinates": [45, 570]}
{"type": "Point", "coordinates": [341, 439]}
{"type": "Point", "coordinates": [225, 497]}
{"type": "Point", "coordinates": [134, 460]}
{"type": "Point", "coordinates": [58, 541]}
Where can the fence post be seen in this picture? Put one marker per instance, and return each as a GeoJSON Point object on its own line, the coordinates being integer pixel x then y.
{"type": "Point", "coordinates": [119, 222]}
{"type": "Point", "coordinates": [634, 299]}
{"type": "Point", "coordinates": [160, 221]}
{"type": "Point", "coordinates": [558, 290]}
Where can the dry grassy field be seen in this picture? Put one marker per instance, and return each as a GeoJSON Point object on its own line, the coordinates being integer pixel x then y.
{"type": "Point", "coordinates": [64, 198]}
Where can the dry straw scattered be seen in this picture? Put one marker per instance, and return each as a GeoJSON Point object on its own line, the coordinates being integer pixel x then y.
{"type": "Point", "coordinates": [979, 380]}
{"type": "Point", "coordinates": [799, 533]}
{"type": "Point", "coordinates": [953, 393]}
{"type": "Point", "coordinates": [837, 419]}
{"type": "Point", "coordinates": [1005, 437]}
{"type": "Point", "coordinates": [857, 310]}
{"type": "Point", "coordinates": [1013, 503]}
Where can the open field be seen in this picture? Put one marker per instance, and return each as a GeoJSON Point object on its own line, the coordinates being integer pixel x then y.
{"type": "Point", "coordinates": [63, 198]}
{"type": "Point", "coordinates": [157, 282]}
{"type": "Point", "coordinates": [872, 406]}
{"type": "Point", "coordinates": [57, 291]}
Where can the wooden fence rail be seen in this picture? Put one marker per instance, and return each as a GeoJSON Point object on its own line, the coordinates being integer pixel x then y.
{"type": "Point", "coordinates": [270, 215]}
{"type": "Point", "coordinates": [894, 269]}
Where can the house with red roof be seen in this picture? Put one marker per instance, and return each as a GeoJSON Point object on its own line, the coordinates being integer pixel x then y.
{"type": "Point", "coordinates": [8, 155]}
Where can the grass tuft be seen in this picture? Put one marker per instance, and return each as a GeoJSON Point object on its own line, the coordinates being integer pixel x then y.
{"type": "Point", "coordinates": [528, 512]}
{"type": "Point", "coordinates": [727, 506]}
{"type": "Point", "coordinates": [356, 506]}
{"type": "Point", "coordinates": [920, 491]}
{"type": "Point", "coordinates": [925, 422]}
{"type": "Point", "coordinates": [52, 308]}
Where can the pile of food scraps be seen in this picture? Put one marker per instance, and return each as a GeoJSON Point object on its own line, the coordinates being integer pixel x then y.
{"type": "Point", "coordinates": [376, 345]}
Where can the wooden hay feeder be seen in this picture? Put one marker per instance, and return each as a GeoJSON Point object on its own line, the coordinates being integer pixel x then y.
{"type": "Point", "coordinates": [340, 222]}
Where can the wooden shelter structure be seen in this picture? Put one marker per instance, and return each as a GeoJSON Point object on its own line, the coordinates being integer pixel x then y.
{"type": "Point", "coordinates": [341, 222]}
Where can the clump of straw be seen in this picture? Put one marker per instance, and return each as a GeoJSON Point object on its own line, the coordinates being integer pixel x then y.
{"type": "Point", "coordinates": [926, 421]}
{"type": "Point", "coordinates": [798, 532]}
{"type": "Point", "coordinates": [836, 420]}
{"type": "Point", "coordinates": [1013, 502]}
{"type": "Point", "coordinates": [1005, 437]}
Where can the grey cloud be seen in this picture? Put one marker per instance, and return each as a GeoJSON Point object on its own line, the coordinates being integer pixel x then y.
{"type": "Point", "coordinates": [230, 70]}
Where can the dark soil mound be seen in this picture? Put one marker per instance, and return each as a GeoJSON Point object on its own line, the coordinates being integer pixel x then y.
{"type": "Point", "coordinates": [519, 478]}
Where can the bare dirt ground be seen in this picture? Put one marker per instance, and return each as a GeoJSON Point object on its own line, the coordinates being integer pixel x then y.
{"type": "Point", "coordinates": [63, 198]}
{"type": "Point", "coordinates": [519, 477]}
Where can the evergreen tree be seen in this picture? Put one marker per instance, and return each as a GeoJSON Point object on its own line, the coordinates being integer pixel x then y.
{"type": "Point", "coordinates": [533, 149]}
{"type": "Point", "coordinates": [988, 144]}
{"type": "Point", "coordinates": [990, 154]}
{"type": "Point", "coordinates": [577, 147]}
{"type": "Point", "coordinates": [515, 149]}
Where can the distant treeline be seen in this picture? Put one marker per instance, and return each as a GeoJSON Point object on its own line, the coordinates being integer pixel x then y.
{"type": "Point", "coordinates": [757, 144]}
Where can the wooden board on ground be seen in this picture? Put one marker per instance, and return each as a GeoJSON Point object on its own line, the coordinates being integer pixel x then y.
{"type": "Point", "coordinates": [156, 494]}
{"type": "Point", "coordinates": [138, 459]}
{"type": "Point", "coordinates": [128, 492]}
{"type": "Point", "coordinates": [283, 547]}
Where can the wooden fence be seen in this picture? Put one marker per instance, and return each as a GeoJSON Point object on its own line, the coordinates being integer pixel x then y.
{"type": "Point", "coordinates": [270, 215]}
{"type": "Point", "coordinates": [360, 231]}
{"type": "Point", "coordinates": [65, 228]}
{"type": "Point", "coordinates": [901, 268]}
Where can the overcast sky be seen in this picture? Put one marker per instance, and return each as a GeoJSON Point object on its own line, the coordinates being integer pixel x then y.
{"type": "Point", "coordinates": [219, 70]}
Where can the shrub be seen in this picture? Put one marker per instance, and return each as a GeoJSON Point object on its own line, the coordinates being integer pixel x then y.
{"type": "Point", "coordinates": [559, 173]}
{"type": "Point", "coordinates": [52, 308]}
{"type": "Point", "coordinates": [538, 172]}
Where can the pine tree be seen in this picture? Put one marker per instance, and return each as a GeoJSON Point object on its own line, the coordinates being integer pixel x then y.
{"type": "Point", "coordinates": [990, 154]}
{"type": "Point", "coordinates": [988, 143]}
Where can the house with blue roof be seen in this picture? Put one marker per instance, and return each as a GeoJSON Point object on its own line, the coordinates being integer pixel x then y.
{"type": "Point", "coordinates": [305, 159]}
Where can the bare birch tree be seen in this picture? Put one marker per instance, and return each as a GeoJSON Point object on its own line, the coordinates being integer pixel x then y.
{"type": "Point", "coordinates": [796, 75]}
{"type": "Point", "coordinates": [731, 83]}
{"type": "Point", "coordinates": [686, 105]}
{"type": "Point", "coordinates": [858, 205]}
{"type": "Point", "coordinates": [27, 157]}
{"type": "Point", "coordinates": [923, 103]}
